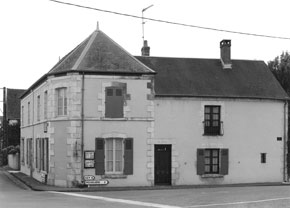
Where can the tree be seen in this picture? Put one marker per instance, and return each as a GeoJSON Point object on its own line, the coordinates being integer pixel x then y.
{"type": "Point", "coordinates": [280, 67]}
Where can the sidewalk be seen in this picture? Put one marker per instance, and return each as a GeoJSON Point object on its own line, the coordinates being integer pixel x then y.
{"type": "Point", "coordinates": [30, 183]}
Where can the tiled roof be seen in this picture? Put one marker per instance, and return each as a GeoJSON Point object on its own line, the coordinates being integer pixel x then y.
{"type": "Point", "coordinates": [99, 53]}
{"type": "Point", "coordinates": [207, 78]}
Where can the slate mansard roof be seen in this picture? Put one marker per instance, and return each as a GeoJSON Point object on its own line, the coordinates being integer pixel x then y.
{"type": "Point", "coordinates": [99, 54]}
{"type": "Point", "coordinates": [193, 77]}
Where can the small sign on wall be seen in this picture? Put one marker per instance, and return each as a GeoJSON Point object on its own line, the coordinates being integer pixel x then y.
{"type": "Point", "coordinates": [89, 159]}
{"type": "Point", "coordinates": [96, 182]}
{"type": "Point", "coordinates": [89, 163]}
{"type": "Point", "coordinates": [89, 155]}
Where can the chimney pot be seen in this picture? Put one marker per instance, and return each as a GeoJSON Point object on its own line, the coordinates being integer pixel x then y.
{"type": "Point", "coordinates": [225, 47]}
{"type": "Point", "coordinates": [145, 51]}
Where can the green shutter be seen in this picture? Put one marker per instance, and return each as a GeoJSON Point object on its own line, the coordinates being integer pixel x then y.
{"type": "Point", "coordinates": [200, 162]}
{"type": "Point", "coordinates": [224, 162]}
{"type": "Point", "coordinates": [128, 156]}
{"type": "Point", "coordinates": [100, 156]}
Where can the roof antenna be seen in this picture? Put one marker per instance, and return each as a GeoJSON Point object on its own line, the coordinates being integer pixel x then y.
{"type": "Point", "coordinates": [98, 26]}
{"type": "Point", "coordinates": [143, 23]}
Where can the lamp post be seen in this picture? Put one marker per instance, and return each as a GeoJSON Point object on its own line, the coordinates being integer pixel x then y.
{"type": "Point", "coordinates": [143, 10]}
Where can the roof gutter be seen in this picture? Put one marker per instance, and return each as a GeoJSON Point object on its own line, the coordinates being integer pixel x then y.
{"type": "Point", "coordinates": [220, 96]}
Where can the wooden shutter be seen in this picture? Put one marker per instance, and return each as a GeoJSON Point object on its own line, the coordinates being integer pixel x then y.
{"type": "Point", "coordinates": [200, 162]}
{"type": "Point", "coordinates": [224, 162]}
{"type": "Point", "coordinates": [114, 104]}
{"type": "Point", "coordinates": [128, 156]}
{"type": "Point", "coordinates": [100, 156]}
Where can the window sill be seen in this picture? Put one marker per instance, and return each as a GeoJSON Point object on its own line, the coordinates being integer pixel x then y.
{"type": "Point", "coordinates": [212, 176]}
{"type": "Point", "coordinates": [213, 135]}
{"type": "Point", "coordinates": [114, 176]}
{"type": "Point", "coordinates": [113, 119]}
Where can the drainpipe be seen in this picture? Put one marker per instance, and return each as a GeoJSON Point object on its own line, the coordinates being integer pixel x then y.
{"type": "Point", "coordinates": [285, 175]}
{"type": "Point", "coordinates": [33, 131]}
{"type": "Point", "coordinates": [82, 128]}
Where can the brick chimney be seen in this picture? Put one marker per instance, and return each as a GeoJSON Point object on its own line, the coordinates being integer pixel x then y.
{"type": "Point", "coordinates": [145, 51]}
{"type": "Point", "coordinates": [225, 46]}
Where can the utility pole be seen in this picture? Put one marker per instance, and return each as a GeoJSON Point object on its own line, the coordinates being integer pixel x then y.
{"type": "Point", "coordinates": [4, 142]}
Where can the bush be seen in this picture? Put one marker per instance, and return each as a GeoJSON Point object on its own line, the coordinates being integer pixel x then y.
{"type": "Point", "coordinates": [13, 150]}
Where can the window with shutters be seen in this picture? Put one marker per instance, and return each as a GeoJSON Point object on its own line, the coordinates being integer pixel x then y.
{"type": "Point", "coordinates": [29, 152]}
{"type": "Point", "coordinates": [212, 120]}
{"type": "Point", "coordinates": [41, 154]}
{"type": "Point", "coordinates": [22, 159]}
{"type": "Point", "coordinates": [114, 103]}
{"type": "Point", "coordinates": [114, 156]}
{"type": "Point", "coordinates": [212, 161]}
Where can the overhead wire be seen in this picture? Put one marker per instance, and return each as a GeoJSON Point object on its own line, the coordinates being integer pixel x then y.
{"type": "Point", "coordinates": [173, 23]}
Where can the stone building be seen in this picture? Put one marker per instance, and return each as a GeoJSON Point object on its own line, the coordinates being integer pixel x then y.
{"type": "Point", "coordinates": [103, 116]}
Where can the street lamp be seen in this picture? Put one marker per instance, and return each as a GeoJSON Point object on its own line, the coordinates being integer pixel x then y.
{"type": "Point", "coordinates": [143, 10]}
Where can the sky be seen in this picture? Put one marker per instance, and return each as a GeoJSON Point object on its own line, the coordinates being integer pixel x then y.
{"type": "Point", "coordinates": [36, 33]}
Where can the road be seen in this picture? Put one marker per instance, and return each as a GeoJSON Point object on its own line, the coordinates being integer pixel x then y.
{"type": "Point", "coordinates": [15, 196]}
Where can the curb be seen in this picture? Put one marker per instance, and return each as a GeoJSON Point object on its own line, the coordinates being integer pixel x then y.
{"type": "Point", "coordinates": [29, 183]}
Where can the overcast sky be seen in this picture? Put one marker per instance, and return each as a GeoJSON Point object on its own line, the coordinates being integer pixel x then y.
{"type": "Point", "coordinates": [35, 33]}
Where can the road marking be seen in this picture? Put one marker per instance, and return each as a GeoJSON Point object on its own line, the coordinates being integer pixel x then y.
{"type": "Point", "coordinates": [125, 201]}
{"type": "Point", "coordinates": [237, 203]}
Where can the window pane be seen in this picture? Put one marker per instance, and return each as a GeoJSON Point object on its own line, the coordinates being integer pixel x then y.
{"type": "Point", "coordinates": [207, 153]}
{"type": "Point", "coordinates": [207, 123]}
{"type": "Point", "coordinates": [215, 116]}
{"type": "Point", "coordinates": [215, 168]}
{"type": "Point", "coordinates": [109, 144]}
{"type": "Point", "coordinates": [109, 166]}
{"type": "Point", "coordinates": [109, 92]}
{"type": "Point", "coordinates": [216, 110]}
{"type": "Point", "coordinates": [118, 144]}
{"type": "Point", "coordinates": [207, 109]}
{"type": "Point", "coordinates": [207, 168]}
{"type": "Point", "coordinates": [118, 167]}
{"type": "Point", "coordinates": [215, 153]}
{"type": "Point", "coordinates": [207, 161]}
{"type": "Point", "coordinates": [215, 123]}
{"type": "Point", "coordinates": [215, 161]}
{"type": "Point", "coordinates": [118, 92]}
{"type": "Point", "coordinates": [110, 155]}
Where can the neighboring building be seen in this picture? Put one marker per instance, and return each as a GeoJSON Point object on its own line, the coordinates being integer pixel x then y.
{"type": "Point", "coordinates": [11, 116]}
{"type": "Point", "coordinates": [142, 121]}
